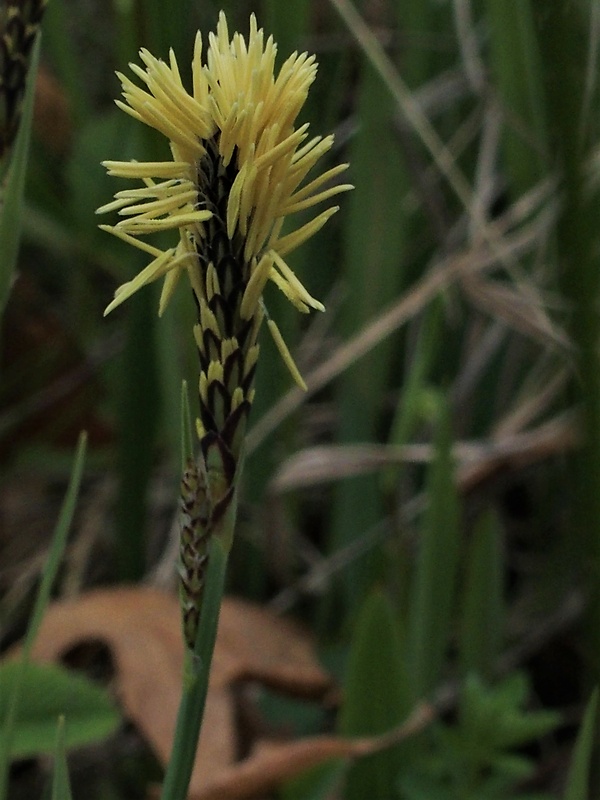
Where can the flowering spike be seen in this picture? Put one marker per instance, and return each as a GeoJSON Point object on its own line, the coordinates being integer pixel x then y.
{"type": "Point", "coordinates": [238, 174]}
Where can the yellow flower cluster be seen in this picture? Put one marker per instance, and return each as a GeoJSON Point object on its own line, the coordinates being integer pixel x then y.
{"type": "Point", "coordinates": [243, 116]}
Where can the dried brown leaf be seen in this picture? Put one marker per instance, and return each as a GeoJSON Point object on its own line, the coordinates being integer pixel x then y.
{"type": "Point", "coordinates": [255, 644]}
{"type": "Point", "coordinates": [142, 628]}
{"type": "Point", "coordinates": [273, 763]}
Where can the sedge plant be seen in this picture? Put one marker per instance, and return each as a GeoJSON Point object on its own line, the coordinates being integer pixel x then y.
{"type": "Point", "coordinates": [237, 173]}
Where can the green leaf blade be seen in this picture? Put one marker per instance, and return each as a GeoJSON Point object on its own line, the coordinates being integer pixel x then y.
{"type": "Point", "coordinates": [377, 696]}
{"type": "Point", "coordinates": [48, 692]}
{"type": "Point", "coordinates": [434, 588]}
{"type": "Point", "coordinates": [577, 780]}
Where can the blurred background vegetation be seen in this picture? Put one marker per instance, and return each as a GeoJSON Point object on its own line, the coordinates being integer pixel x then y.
{"type": "Point", "coordinates": [430, 508]}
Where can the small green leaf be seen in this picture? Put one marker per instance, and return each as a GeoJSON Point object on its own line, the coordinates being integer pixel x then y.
{"type": "Point", "coordinates": [494, 716]}
{"type": "Point", "coordinates": [47, 692]}
{"type": "Point", "coordinates": [577, 779]}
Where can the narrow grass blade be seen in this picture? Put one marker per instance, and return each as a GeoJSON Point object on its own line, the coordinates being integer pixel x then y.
{"type": "Point", "coordinates": [57, 547]}
{"type": "Point", "coordinates": [517, 73]}
{"type": "Point", "coordinates": [482, 601]}
{"type": "Point", "coordinates": [409, 408]}
{"type": "Point", "coordinates": [577, 779]}
{"type": "Point", "coordinates": [12, 198]}
{"type": "Point", "coordinates": [61, 785]}
{"type": "Point", "coordinates": [195, 679]}
{"type": "Point", "coordinates": [434, 588]}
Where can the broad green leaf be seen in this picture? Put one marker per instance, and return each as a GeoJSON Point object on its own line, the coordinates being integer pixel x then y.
{"type": "Point", "coordinates": [48, 692]}
{"type": "Point", "coordinates": [376, 696]}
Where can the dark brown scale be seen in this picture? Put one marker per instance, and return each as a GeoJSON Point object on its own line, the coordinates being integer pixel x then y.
{"type": "Point", "coordinates": [243, 335]}
{"type": "Point", "coordinates": [207, 418]}
{"type": "Point", "coordinates": [212, 348]}
{"type": "Point", "coordinates": [224, 313]}
{"type": "Point", "coordinates": [234, 430]}
{"type": "Point", "coordinates": [233, 371]}
{"type": "Point", "coordinates": [219, 401]}
{"type": "Point", "coordinates": [248, 380]}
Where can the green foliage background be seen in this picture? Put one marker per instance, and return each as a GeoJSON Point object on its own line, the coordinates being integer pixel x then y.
{"type": "Point", "coordinates": [448, 545]}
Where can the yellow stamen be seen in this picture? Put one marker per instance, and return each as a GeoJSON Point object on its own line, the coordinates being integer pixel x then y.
{"type": "Point", "coordinates": [285, 354]}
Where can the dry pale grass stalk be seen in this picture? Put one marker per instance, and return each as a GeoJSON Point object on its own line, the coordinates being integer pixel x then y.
{"type": "Point", "coordinates": [517, 232]}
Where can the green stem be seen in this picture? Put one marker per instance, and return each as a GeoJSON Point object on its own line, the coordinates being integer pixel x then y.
{"type": "Point", "coordinates": [195, 677]}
